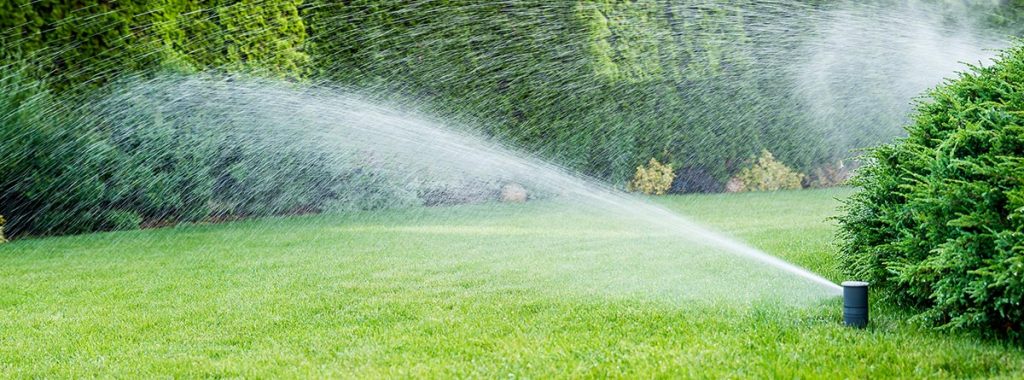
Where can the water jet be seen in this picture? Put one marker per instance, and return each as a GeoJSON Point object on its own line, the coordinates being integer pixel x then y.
{"type": "Point", "coordinates": [855, 303]}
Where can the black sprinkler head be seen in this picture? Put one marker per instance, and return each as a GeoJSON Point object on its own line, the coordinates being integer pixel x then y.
{"type": "Point", "coordinates": [855, 303]}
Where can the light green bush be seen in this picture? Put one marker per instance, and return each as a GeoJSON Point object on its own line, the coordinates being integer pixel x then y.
{"type": "Point", "coordinates": [653, 179]}
{"type": "Point", "coordinates": [766, 174]}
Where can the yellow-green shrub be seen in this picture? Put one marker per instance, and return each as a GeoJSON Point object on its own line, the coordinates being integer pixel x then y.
{"type": "Point", "coordinates": [766, 174]}
{"type": "Point", "coordinates": [653, 179]}
{"type": "Point", "coordinates": [2, 221]}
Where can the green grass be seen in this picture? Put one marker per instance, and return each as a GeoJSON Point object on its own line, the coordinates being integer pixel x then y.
{"type": "Point", "coordinates": [537, 290]}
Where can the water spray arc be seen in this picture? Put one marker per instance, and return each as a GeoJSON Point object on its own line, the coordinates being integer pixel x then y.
{"type": "Point", "coordinates": [405, 145]}
{"type": "Point", "coordinates": [834, 77]}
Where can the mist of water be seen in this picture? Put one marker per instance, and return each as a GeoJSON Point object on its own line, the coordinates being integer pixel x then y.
{"type": "Point", "coordinates": [407, 147]}
{"type": "Point", "coordinates": [869, 63]}
{"type": "Point", "coordinates": [852, 69]}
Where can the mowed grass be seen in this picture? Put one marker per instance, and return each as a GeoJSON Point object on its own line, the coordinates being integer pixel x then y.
{"type": "Point", "coordinates": [537, 290]}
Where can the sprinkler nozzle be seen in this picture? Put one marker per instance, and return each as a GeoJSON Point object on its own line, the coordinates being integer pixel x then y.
{"type": "Point", "coordinates": [855, 303]}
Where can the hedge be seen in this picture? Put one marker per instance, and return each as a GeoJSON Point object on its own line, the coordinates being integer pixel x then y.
{"type": "Point", "coordinates": [599, 86]}
{"type": "Point", "coordinates": [72, 44]}
{"type": "Point", "coordinates": [165, 151]}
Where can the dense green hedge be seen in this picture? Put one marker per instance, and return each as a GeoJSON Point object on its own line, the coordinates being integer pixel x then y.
{"type": "Point", "coordinates": [63, 170]}
{"type": "Point", "coordinates": [145, 155]}
{"type": "Point", "coordinates": [940, 217]}
{"type": "Point", "coordinates": [71, 43]}
{"type": "Point", "coordinates": [67, 169]}
{"type": "Point", "coordinates": [600, 86]}
{"type": "Point", "coordinates": [49, 169]}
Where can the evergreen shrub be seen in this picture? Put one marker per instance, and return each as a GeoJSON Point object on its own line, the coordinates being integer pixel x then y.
{"type": "Point", "coordinates": [939, 219]}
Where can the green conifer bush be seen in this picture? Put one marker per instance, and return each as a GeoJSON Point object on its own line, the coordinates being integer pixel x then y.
{"type": "Point", "coordinates": [939, 220]}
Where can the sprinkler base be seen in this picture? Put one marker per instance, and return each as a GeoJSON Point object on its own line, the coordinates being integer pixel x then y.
{"type": "Point", "coordinates": [855, 304]}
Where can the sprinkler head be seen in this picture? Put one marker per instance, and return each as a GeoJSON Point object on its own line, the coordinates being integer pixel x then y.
{"type": "Point", "coordinates": [855, 303]}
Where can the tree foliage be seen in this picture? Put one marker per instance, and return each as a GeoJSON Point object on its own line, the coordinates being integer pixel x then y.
{"type": "Point", "coordinates": [71, 43]}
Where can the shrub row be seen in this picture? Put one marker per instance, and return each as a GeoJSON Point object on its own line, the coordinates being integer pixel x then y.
{"type": "Point", "coordinates": [762, 173]}
{"type": "Point", "coordinates": [595, 85]}
{"type": "Point", "coordinates": [121, 162]}
{"type": "Point", "coordinates": [561, 86]}
{"type": "Point", "coordinates": [65, 171]}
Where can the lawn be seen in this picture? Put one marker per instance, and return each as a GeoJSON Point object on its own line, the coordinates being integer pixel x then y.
{"type": "Point", "coordinates": [542, 289]}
